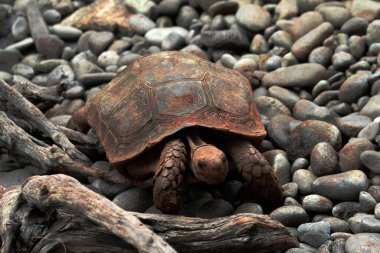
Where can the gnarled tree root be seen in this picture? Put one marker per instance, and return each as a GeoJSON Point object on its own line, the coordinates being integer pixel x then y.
{"type": "Point", "coordinates": [57, 214]}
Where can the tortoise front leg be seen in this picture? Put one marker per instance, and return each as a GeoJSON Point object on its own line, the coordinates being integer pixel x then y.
{"type": "Point", "coordinates": [168, 180]}
{"type": "Point", "coordinates": [256, 171]}
{"type": "Point", "coordinates": [78, 121]}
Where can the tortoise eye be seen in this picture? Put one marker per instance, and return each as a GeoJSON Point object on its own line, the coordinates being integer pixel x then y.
{"type": "Point", "coordinates": [201, 164]}
{"type": "Point", "coordinates": [224, 159]}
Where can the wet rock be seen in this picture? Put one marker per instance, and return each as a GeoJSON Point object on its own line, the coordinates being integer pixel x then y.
{"type": "Point", "coordinates": [271, 107]}
{"type": "Point", "coordinates": [215, 208]}
{"type": "Point", "coordinates": [8, 58]}
{"type": "Point", "coordinates": [355, 25]}
{"type": "Point", "coordinates": [253, 17]}
{"type": "Point", "coordinates": [304, 179]}
{"type": "Point", "coordinates": [249, 208]}
{"type": "Point", "coordinates": [352, 124]}
{"type": "Point", "coordinates": [349, 155]}
{"type": "Point", "coordinates": [363, 242]}
{"type": "Point", "coordinates": [301, 75]}
{"type": "Point", "coordinates": [156, 36]}
{"type": "Point", "coordinates": [20, 28]}
{"type": "Point", "coordinates": [343, 186]}
{"type": "Point", "coordinates": [226, 39]}
{"type": "Point", "coordinates": [287, 97]}
{"type": "Point", "coordinates": [371, 160]}
{"type": "Point", "coordinates": [309, 133]}
{"type": "Point", "coordinates": [50, 45]}
{"type": "Point", "coordinates": [304, 45]}
{"type": "Point", "coordinates": [134, 200]}
{"type": "Point", "coordinates": [317, 203]}
{"type": "Point", "coordinates": [323, 159]}
{"type": "Point", "coordinates": [337, 16]}
{"type": "Point", "coordinates": [290, 216]}
{"type": "Point", "coordinates": [321, 55]}
{"type": "Point", "coordinates": [371, 109]}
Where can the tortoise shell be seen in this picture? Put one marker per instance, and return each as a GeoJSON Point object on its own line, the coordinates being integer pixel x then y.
{"type": "Point", "coordinates": [162, 93]}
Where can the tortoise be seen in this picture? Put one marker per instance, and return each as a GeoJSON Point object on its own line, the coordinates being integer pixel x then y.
{"type": "Point", "coordinates": [170, 109]}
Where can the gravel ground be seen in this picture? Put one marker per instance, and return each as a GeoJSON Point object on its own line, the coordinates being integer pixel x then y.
{"type": "Point", "coordinates": [315, 69]}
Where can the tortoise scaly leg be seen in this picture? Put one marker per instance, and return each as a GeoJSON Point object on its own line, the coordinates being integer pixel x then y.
{"type": "Point", "coordinates": [256, 172]}
{"type": "Point", "coordinates": [78, 121]}
{"type": "Point", "coordinates": [168, 180]}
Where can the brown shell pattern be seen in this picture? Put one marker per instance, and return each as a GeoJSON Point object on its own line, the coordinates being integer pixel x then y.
{"type": "Point", "coordinates": [160, 94]}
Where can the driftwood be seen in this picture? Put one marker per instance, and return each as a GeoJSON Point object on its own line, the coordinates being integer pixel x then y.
{"type": "Point", "coordinates": [22, 146]}
{"type": "Point", "coordinates": [57, 214]}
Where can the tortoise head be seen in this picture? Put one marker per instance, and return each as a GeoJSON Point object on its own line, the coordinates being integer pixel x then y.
{"type": "Point", "coordinates": [209, 164]}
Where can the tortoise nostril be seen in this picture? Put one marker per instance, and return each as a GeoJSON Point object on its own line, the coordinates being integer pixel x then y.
{"type": "Point", "coordinates": [224, 159]}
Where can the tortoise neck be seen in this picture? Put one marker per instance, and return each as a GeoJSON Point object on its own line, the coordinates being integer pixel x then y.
{"type": "Point", "coordinates": [195, 141]}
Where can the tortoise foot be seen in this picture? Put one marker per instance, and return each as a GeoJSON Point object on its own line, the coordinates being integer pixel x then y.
{"type": "Point", "coordinates": [78, 121]}
{"type": "Point", "coordinates": [261, 182]}
{"type": "Point", "coordinates": [168, 180]}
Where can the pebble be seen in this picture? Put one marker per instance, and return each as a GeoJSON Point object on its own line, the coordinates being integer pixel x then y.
{"type": "Point", "coordinates": [344, 186]}
{"type": "Point", "coordinates": [377, 211]}
{"type": "Point", "coordinates": [321, 55]}
{"type": "Point", "coordinates": [304, 179]}
{"type": "Point", "coordinates": [357, 48]}
{"type": "Point", "coordinates": [74, 92]}
{"type": "Point", "coordinates": [62, 73]}
{"type": "Point", "coordinates": [366, 9]}
{"type": "Point", "coordinates": [60, 120]}
{"type": "Point", "coordinates": [371, 160]}
{"type": "Point", "coordinates": [355, 25]}
{"type": "Point", "coordinates": [271, 107]}
{"type": "Point", "coordinates": [249, 208]}
{"type": "Point", "coordinates": [67, 107]}
{"type": "Point", "coordinates": [99, 41]}
{"type": "Point", "coordinates": [323, 160]}
{"type": "Point", "coordinates": [186, 15]}
{"type": "Point", "coordinates": [317, 203]}
{"type": "Point", "coordinates": [304, 45]}
{"type": "Point", "coordinates": [352, 124]}
{"type": "Point", "coordinates": [337, 225]}
{"type": "Point", "coordinates": [373, 32]}
{"type": "Point", "coordinates": [367, 202]}
{"type": "Point", "coordinates": [287, 97]}
{"type": "Point", "coordinates": [226, 39]}
{"type": "Point", "coordinates": [51, 16]}
{"type": "Point", "coordinates": [156, 35]}
{"type": "Point", "coordinates": [363, 242]}
{"type": "Point", "coordinates": [337, 16]}
{"type": "Point", "coordinates": [20, 28]}
{"type": "Point", "coordinates": [173, 41]}
{"type": "Point", "coordinates": [309, 133]}
{"type": "Point", "coordinates": [67, 33]}
{"type": "Point", "coordinates": [50, 45]}
{"type": "Point", "coordinates": [108, 58]}
{"type": "Point", "coordinates": [290, 216]}
{"type": "Point", "coordinates": [342, 60]}
{"type": "Point", "coordinates": [23, 69]}
{"type": "Point", "coordinates": [280, 164]}
{"type": "Point", "coordinates": [314, 234]}
{"type": "Point", "coordinates": [21, 45]}
{"type": "Point", "coordinates": [215, 208]}
{"type": "Point", "coordinates": [290, 190]}
{"type": "Point", "coordinates": [279, 129]}
{"type": "Point", "coordinates": [253, 17]}
{"type": "Point", "coordinates": [5, 76]}
{"type": "Point", "coordinates": [306, 110]}
{"type": "Point", "coordinates": [287, 9]}
{"type": "Point", "coordinates": [306, 23]}
{"type": "Point", "coordinates": [282, 39]}
{"type": "Point", "coordinates": [134, 199]}
{"type": "Point", "coordinates": [223, 7]}
{"type": "Point", "coordinates": [301, 75]}
{"type": "Point", "coordinates": [299, 163]}
{"type": "Point", "coordinates": [371, 109]}
{"type": "Point", "coordinates": [141, 24]}
{"type": "Point", "coordinates": [14, 177]}
{"type": "Point", "coordinates": [8, 58]}
{"type": "Point", "coordinates": [259, 45]}
{"type": "Point", "coordinates": [148, 8]}
{"type": "Point", "coordinates": [92, 79]}
{"type": "Point", "coordinates": [168, 7]}
{"type": "Point", "coordinates": [349, 155]}
{"type": "Point", "coordinates": [345, 210]}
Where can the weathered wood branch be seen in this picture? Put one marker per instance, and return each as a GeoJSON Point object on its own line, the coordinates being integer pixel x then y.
{"type": "Point", "coordinates": [39, 121]}
{"type": "Point", "coordinates": [79, 220]}
{"type": "Point", "coordinates": [52, 158]}
{"type": "Point", "coordinates": [39, 93]}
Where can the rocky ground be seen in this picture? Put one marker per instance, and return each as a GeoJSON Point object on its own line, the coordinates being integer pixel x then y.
{"type": "Point", "coordinates": [314, 66]}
